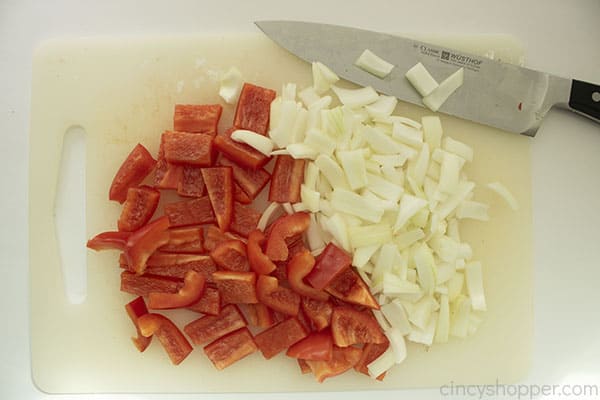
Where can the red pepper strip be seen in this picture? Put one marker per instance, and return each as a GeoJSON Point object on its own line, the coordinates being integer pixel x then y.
{"type": "Point", "coordinates": [109, 241]}
{"type": "Point", "coordinates": [317, 346]}
{"type": "Point", "coordinates": [251, 181]}
{"type": "Point", "coordinates": [197, 118]}
{"type": "Point", "coordinates": [191, 183]}
{"type": "Point", "coordinates": [190, 212]}
{"type": "Point", "coordinates": [166, 175]}
{"type": "Point", "coordinates": [231, 256]}
{"type": "Point", "coordinates": [193, 287]}
{"type": "Point", "coordinates": [188, 148]}
{"type": "Point", "coordinates": [349, 287]}
{"type": "Point", "coordinates": [236, 287]}
{"type": "Point", "coordinates": [254, 108]}
{"type": "Point", "coordinates": [209, 303]}
{"type": "Point", "coordinates": [330, 263]}
{"type": "Point", "coordinates": [138, 164]}
{"type": "Point", "coordinates": [143, 242]}
{"type": "Point", "coordinates": [259, 262]}
{"type": "Point", "coordinates": [213, 236]}
{"type": "Point", "coordinates": [219, 185]}
{"type": "Point", "coordinates": [279, 337]}
{"type": "Point", "coordinates": [277, 297]}
{"type": "Point", "coordinates": [135, 309]}
{"type": "Point", "coordinates": [185, 240]}
{"type": "Point", "coordinates": [138, 208]}
{"type": "Point", "coordinates": [283, 228]}
{"type": "Point", "coordinates": [230, 348]}
{"type": "Point", "coordinates": [288, 175]}
{"type": "Point", "coordinates": [240, 153]}
{"type": "Point", "coordinates": [171, 338]}
{"type": "Point", "coordinates": [298, 267]}
{"type": "Point", "coordinates": [143, 285]}
{"type": "Point", "coordinates": [341, 361]}
{"type": "Point", "coordinates": [210, 327]}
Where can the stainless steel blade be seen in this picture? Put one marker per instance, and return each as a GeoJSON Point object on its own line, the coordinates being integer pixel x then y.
{"type": "Point", "coordinates": [502, 95]}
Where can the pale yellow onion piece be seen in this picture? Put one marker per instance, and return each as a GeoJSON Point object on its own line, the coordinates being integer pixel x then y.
{"type": "Point", "coordinates": [397, 343]}
{"type": "Point", "coordinates": [313, 119]}
{"type": "Point", "coordinates": [336, 225]}
{"type": "Point", "coordinates": [380, 142]}
{"type": "Point", "coordinates": [383, 323]}
{"type": "Point", "coordinates": [459, 148]}
{"type": "Point", "coordinates": [367, 235]}
{"type": "Point", "coordinates": [396, 316]}
{"type": "Point", "coordinates": [407, 135]}
{"type": "Point", "coordinates": [362, 255]}
{"type": "Point", "coordinates": [421, 79]}
{"type": "Point", "coordinates": [448, 206]}
{"type": "Point", "coordinates": [459, 316]}
{"type": "Point", "coordinates": [348, 202]}
{"type": "Point", "coordinates": [332, 171]}
{"type": "Point", "coordinates": [423, 257]}
{"type": "Point", "coordinates": [288, 91]}
{"type": "Point", "coordinates": [420, 314]}
{"type": "Point", "coordinates": [332, 122]}
{"type": "Point", "coordinates": [231, 85]}
{"type": "Point", "coordinates": [314, 235]}
{"type": "Point", "coordinates": [437, 97]}
{"type": "Point", "coordinates": [323, 77]}
{"type": "Point", "coordinates": [432, 131]}
{"type": "Point", "coordinates": [299, 128]}
{"type": "Point", "coordinates": [356, 98]}
{"type": "Point", "coordinates": [301, 151]}
{"type": "Point", "coordinates": [308, 96]}
{"type": "Point", "coordinates": [393, 285]}
{"type": "Point", "coordinates": [288, 208]}
{"type": "Point", "coordinates": [269, 214]}
{"type": "Point", "coordinates": [474, 280]}
{"type": "Point", "coordinates": [280, 133]}
{"type": "Point", "coordinates": [384, 188]}
{"type": "Point", "coordinates": [320, 141]}
{"type": "Point", "coordinates": [444, 272]}
{"type": "Point", "coordinates": [379, 203]}
{"type": "Point", "coordinates": [395, 160]}
{"type": "Point", "coordinates": [424, 336]}
{"type": "Point", "coordinates": [353, 165]}
{"type": "Point", "coordinates": [255, 140]}
{"type": "Point", "coordinates": [310, 198]}
{"type": "Point", "coordinates": [311, 175]}
{"type": "Point", "coordinates": [418, 168]}
{"type": "Point", "coordinates": [409, 206]}
{"type": "Point", "coordinates": [383, 107]}
{"type": "Point", "coordinates": [382, 363]}
{"type": "Point", "coordinates": [473, 210]}
{"type": "Point", "coordinates": [406, 239]}
{"type": "Point", "coordinates": [373, 64]}
{"type": "Point", "coordinates": [386, 258]}
{"type": "Point", "coordinates": [501, 190]}
{"type": "Point", "coordinates": [280, 152]}
{"type": "Point", "coordinates": [455, 285]}
{"type": "Point", "coordinates": [450, 172]}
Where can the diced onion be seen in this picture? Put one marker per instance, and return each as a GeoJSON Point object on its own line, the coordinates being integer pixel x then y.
{"type": "Point", "coordinates": [323, 77]}
{"type": "Point", "coordinates": [421, 79]}
{"type": "Point", "coordinates": [301, 150]}
{"type": "Point", "coordinates": [287, 208]}
{"type": "Point", "coordinates": [308, 96]}
{"type": "Point", "coordinates": [397, 343]}
{"type": "Point", "coordinates": [383, 107]}
{"type": "Point", "coordinates": [362, 255]}
{"type": "Point", "coordinates": [310, 198]}
{"type": "Point", "coordinates": [382, 363]}
{"type": "Point", "coordinates": [373, 64]}
{"type": "Point", "coordinates": [437, 97]}
{"type": "Point", "coordinates": [409, 206]}
{"type": "Point", "coordinates": [353, 164]}
{"type": "Point", "coordinates": [355, 98]}
{"type": "Point", "coordinates": [368, 235]}
{"type": "Point", "coordinates": [351, 203]}
{"type": "Point", "coordinates": [505, 194]}
{"type": "Point", "coordinates": [474, 280]}
{"type": "Point", "coordinates": [269, 214]}
{"type": "Point", "coordinates": [458, 148]}
{"type": "Point", "coordinates": [432, 131]}
{"type": "Point", "coordinates": [254, 140]}
{"type": "Point", "coordinates": [338, 228]}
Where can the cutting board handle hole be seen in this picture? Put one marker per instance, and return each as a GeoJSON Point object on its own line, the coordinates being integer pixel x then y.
{"type": "Point", "coordinates": [69, 215]}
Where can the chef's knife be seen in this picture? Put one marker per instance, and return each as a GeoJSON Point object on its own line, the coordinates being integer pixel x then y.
{"type": "Point", "coordinates": [502, 95]}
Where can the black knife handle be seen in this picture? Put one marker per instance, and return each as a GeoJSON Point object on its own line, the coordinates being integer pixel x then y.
{"type": "Point", "coordinates": [585, 98]}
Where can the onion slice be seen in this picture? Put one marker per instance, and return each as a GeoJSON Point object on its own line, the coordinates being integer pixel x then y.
{"type": "Point", "coordinates": [373, 64]}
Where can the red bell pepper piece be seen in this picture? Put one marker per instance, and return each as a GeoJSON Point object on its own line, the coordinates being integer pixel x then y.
{"type": "Point", "coordinates": [304, 368]}
{"type": "Point", "coordinates": [197, 118]}
{"type": "Point", "coordinates": [264, 316]}
{"type": "Point", "coordinates": [138, 164]}
{"type": "Point", "coordinates": [143, 285]}
{"type": "Point", "coordinates": [240, 153]}
{"type": "Point", "coordinates": [219, 184]}
{"type": "Point", "coordinates": [277, 297]}
{"type": "Point", "coordinates": [135, 309]}
{"type": "Point", "coordinates": [230, 348]}
{"type": "Point", "coordinates": [236, 287]}
{"type": "Point", "coordinates": [185, 240]}
{"type": "Point", "coordinates": [213, 236]}
{"type": "Point", "coordinates": [350, 326]}
{"type": "Point", "coordinates": [171, 338]}
{"type": "Point", "coordinates": [193, 287]}
{"type": "Point", "coordinates": [211, 327]}
{"type": "Point", "coordinates": [143, 242]}
{"type": "Point", "coordinates": [166, 175]}
{"type": "Point", "coordinates": [239, 195]}
{"type": "Point", "coordinates": [244, 219]}
{"type": "Point", "coordinates": [190, 212]}
{"type": "Point", "coordinates": [251, 181]}
{"type": "Point", "coordinates": [259, 262]}
{"type": "Point", "coordinates": [191, 183]}
{"type": "Point", "coordinates": [279, 337]}
{"type": "Point", "coordinates": [317, 346]}
{"type": "Point", "coordinates": [231, 256]}
{"type": "Point", "coordinates": [318, 312]}
{"type": "Point", "coordinates": [349, 287]}
{"type": "Point", "coordinates": [285, 227]}
{"type": "Point", "coordinates": [109, 241]}
{"type": "Point", "coordinates": [330, 263]}
{"type": "Point", "coordinates": [288, 175]}
{"type": "Point", "coordinates": [188, 148]}
{"type": "Point", "coordinates": [341, 361]}
{"type": "Point", "coordinates": [176, 265]}
{"type": "Point", "coordinates": [209, 303]}
{"type": "Point", "coordinates": [254, 108]}
{"type": "Point", "coordinates": [139, 206]}
{"type": "Point", "coordinates": [298, 267]}
{"type": "Point", "coordinates": [371, 351]}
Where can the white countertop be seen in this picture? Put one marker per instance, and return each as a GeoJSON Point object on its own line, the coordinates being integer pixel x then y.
{"type": "Point", "coordinates": [560, 37]}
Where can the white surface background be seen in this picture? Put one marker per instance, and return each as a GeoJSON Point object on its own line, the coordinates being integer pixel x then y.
{"type": "Point", "coordinates": [560, 37]}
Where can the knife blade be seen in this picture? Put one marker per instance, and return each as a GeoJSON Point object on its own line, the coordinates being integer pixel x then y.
{"type": "Point", "coordinates": [494, 93]}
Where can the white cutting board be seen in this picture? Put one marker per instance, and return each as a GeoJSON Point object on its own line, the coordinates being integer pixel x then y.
{"type": "Point", "coordinates": [122, 91]}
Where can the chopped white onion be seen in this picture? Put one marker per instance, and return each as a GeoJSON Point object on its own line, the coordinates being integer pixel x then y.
{"type": "Point", "coordinates": [301, 150]}
{"type": "Point", "coordinates": [437, 97]}
{"type": "Point", "coordinates": [459, 316]}
{"type": "Point", "coordinates": [474, 280]}
{"type": "Point", "coordinates": [505, 194]}
{"type": "Point", "coordinates": [373, 64]}
{"type": "Point", "coordinates": [323, 77]}
{"type": "Point", "coordinates": [425, 263]}
{"type": "Point", "coordinates": [382, 363]}
{"type": "Point", "coordinates": [458, 148]}
{"type": "Point", "coordinates": [355, 98]}
{"type": "Point", "coordinates": [336, 225]}
{"type": "Point", "coordinates": [287, 207]}
{"type": "Point", "coordinates": [308, 96]}
{"type": "Point", "coordinates": [346, 201]}
{"type": "Point", "coordinates": [443, 323]}
{"type": "Point", "coordinates": [432, 131]}
{"type": "Point", "coordinates": [332, 171]}
{"type": "Point", "coordinates": [310, 198]}
{"type": "Point", "coordinates": [362, 255]}
{"type": "Point", "coordinates": [311, 175]}
{"type": "Point", "coordinates": [368, 235]}
{"type": "Point", "coordinates": [353, 164]}
{"type": "Point", "coordinates": [397, 343]}
{"type": "Point", "coordinates": [409, 206]}
{"type": "Point", "coordinates": [272, 210]}
{"type": "Point", "coordinates": [473, 210]}
{"type": "Point", "coordinates": [383, 107]}
{"type": "Point", "coordinates": [421, 79]}
{"type": "Point", "coordinates": [407, 135]}
{"type": "Point", "coordinates": [255, 140]}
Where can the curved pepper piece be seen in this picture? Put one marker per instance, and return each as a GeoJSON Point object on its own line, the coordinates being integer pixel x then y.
{"type": "Point", "coordinates": [192, 290]}
{"type": "Point", "coordinates": [279, 298]}
{"type": "Point", "coordinates": [317, 346]}
{"type": "Point", "coordinates": [135, 309]}
{"type": "Point", "coordinates": [145, 241]}
{"type": "Point", "coordinates": [171, 338]}
{"type": "Point", "coordinates": [109, 241]}
{"type": "Point", "coordinates": [259, 262]}
{"type": "Point", "coordinates": [298, 267]}
{"type": "Point", "coordinates": [285, 227]}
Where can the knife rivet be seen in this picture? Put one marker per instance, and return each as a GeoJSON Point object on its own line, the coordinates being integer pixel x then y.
{"type": "Point", "coordinates": [596, 96]}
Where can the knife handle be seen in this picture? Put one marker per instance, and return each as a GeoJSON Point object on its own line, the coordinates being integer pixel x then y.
{"type": "Point", "coordinates": [585, 99]}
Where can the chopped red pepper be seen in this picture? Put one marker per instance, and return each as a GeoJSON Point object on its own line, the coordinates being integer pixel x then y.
{"type": "Point", "coordinates": [166, 175]}
{"type": "Point", "coordinates": [350, 287]}
{"type": "Point", "coordinates": [188, 148]}
{"type": "Point", "coordinates": [279, 337]}
{"type": "Point", "coordinates": [304, 368]}
{"type": "Point", "coordinates": [317, 346]}
{"type": "Point", "coordinates": [341, 361]}
{"type": "Point", "coordinates": [259, 262]}
{"type": "Point", "coordinates": [254, 108]}
{"type": "Point", "coordinates": [251, 181]}
{"type": "Point", "coordinates": [143, 242]}
{"type": "Point", "coordinates": [241, 153]}
{"type": "Point", "coordinates": [330, 263]}
{"type": "Point", "coordinates": [277, 297]}
{"type": "Point", "coordinates": [209, 303]}
{"type": "Point", "coordinates": [171, 338]}
{"type": "Point", "coordinates": [239, 195]}
{"type": "Point", "coordinates": [185, 240]}
{"type": "Point", "coordinates": [191, 183]}
{"type": "Point", "coordinates": [197, 118]}
{"type": "Point", "coordinates": [139, 206]}
{"type": "Point", "coordinates": [190, 212]}
{"type": "Point", "coordinates": [236, 287]}
{"type": "Point", "coordinates": [143, 285]}
{"type": "Point", "coordinates": [298, 267]}
{"type": "Point", "coordinates": [288, 175]}
{"type": "Point", "coordinates": [193, 287]}
{"type": "Point", "coordinates": [350, 326]}
{"type": "Point", "coordinates": [230, 348]}
{"type": "Point", "coordinates": [231, 255]}
{"type": "Point", "coordinates": [285, 227]}
{"type": "Point", "coordinates": [208, 328]}
{"type": "Point", "coordinates": [177, 264]}
{"type": "Point", "coordinates": [109, 241]}
{"type": "Point", "coordinates": [213, 236]}
{"type": "Point", "coordinates": [318, 312]}
{"type": "Point", "coordinates": [264, 316]}
{"type": "Point", "coordinates": [138, 164]}
{"type": "Point", "coordinates": [244, 219]}
{"type": "Point", "coordinates": [371, 351]}
{"type": "Point", "coordinates": [135, 309]}
{"type": "Point", "coordinates": [219, 184]}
